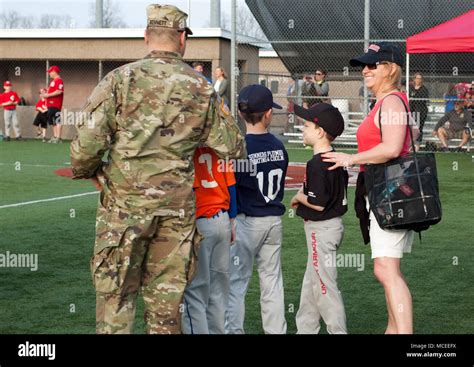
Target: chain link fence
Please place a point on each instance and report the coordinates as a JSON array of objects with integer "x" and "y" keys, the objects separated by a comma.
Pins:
[
  {"x": 80, "y": 77},
  {"x": 308, "y": 37},
  {"x": 295, "y": 41},
  {"x": 29, "y": 76}
]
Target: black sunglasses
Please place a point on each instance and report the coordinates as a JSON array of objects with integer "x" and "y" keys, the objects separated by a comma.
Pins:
[{"x": 374, "y": 66}]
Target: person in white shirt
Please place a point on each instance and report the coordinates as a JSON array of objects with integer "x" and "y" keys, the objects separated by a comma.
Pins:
[{"x": 220, "y": 84}]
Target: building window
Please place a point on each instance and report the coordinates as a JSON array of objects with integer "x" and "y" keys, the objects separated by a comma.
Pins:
[{"x": 274, "y": 86}]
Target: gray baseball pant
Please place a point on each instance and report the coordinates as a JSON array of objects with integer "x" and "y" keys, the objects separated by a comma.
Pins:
[
  {"x": 205, "y": 298},
  {"x": 320, "y": 296},
  {"x": 11, "y": 118},
  {"x": 258, "y": 238}
]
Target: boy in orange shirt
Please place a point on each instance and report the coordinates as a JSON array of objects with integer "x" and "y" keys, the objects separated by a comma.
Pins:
[{"x": 206, "y": 297}]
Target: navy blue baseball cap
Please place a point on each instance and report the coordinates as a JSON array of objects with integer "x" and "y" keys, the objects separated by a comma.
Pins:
[
  {"x": 256, "y": 98},
  {"x": 383, "y": 51},
  {"x": 325, "y": 116}
]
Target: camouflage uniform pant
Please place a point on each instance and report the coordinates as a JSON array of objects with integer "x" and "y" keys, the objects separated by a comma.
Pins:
[{"x": 152, "y": 253}]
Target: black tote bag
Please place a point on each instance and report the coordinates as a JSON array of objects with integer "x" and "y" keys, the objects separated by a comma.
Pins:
[{"x": 403, "y": 192}]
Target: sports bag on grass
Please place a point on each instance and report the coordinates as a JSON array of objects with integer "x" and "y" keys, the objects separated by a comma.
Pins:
[{"x": 403, "y": 192}]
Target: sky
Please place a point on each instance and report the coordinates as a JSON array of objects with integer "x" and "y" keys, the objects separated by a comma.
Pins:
[{"x": 133, "y": 12}]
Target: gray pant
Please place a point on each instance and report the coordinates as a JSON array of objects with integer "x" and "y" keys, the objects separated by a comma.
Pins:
[
  {"x": 258, "y": 238},
  {"x": 11, "y": 119},
  {"x": 206, "y": 297},
  {"x": 320, "y": 296}
]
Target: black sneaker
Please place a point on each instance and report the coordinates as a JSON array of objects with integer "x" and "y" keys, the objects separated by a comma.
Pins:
[
  {"x": 18, "y": 138},
  {"x": 6, "y": 138}
]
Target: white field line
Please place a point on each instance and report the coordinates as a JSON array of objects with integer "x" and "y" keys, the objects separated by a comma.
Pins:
[
  {"x": 47, "y": 200},
  {"x": 34, "y": 165}
]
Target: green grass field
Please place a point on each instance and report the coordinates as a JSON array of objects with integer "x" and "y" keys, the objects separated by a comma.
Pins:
[{"x": 59, "y": 297}]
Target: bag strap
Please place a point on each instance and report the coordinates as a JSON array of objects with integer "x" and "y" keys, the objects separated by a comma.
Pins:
[
  {"x": 408, "y": 122},
  {"x": 413, "y": 149}
]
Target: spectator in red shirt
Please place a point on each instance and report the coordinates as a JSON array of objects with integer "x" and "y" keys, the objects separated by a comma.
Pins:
[
  {"x": 41, "y": 119},
  {"x": 9, "y": 100},
  {"x": 54, "y": 98}
]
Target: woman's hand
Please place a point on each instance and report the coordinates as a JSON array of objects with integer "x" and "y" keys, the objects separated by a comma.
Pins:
[
  {"x": 339, "y": 159},
  {"x": 294, "y": 202}
]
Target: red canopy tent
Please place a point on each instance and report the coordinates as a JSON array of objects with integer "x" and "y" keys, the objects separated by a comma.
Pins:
[{"x": 455, "y": 35}]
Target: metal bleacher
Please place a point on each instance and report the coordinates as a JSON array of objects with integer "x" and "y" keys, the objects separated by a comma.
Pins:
[{"x": 353, "y": 120}]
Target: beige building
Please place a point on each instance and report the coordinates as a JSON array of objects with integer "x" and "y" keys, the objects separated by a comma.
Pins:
[{"x": 86, "y": 55}]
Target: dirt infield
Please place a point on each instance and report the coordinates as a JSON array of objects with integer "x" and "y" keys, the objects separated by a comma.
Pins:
[{"x": 296, "y": 172}]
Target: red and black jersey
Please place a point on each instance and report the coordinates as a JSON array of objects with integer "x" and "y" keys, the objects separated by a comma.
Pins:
[
  {"x": 9, "y": 97},
  {"x": 41, "y": 104},
  {"x": 324, "y": 188},
  {"x": 56, "y": 101}
]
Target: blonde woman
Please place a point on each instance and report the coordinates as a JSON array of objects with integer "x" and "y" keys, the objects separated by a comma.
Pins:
[
  {"x": 220, "y": 84},
  {"x": 382, "y": 75}
]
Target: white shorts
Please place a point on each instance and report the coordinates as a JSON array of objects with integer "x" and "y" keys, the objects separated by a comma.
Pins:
[{"x": 388, "y": 243}]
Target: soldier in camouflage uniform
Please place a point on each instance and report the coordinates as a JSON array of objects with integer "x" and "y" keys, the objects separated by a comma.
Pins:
[{"x": 150, "y": 115}]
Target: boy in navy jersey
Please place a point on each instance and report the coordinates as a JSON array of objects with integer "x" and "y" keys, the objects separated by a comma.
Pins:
[
  {"x": 259, "y": 226},
  {"x": 321, "y": 202}
]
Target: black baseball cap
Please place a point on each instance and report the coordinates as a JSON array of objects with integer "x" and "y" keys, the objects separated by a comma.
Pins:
[
  {"x": 256, "y": 98},
  {"x": 382, "y": 51},
  {"x": 325, "y": 116}
]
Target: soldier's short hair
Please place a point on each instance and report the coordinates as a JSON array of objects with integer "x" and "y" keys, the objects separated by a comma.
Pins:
[{"x": 163, "y": 35}]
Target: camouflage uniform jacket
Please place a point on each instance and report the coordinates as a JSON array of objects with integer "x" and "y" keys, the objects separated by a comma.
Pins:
[{"x": 151, "y": 115}]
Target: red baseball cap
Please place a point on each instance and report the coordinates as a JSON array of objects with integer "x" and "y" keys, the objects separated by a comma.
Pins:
[
  {"x": 54, "y": 68},
  {"x": 7, "y": 84}
]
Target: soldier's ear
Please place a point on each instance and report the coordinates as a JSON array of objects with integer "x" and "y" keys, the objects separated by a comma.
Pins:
[
  {"x": 147, "y": 40},
  {"x": 183, "y": 38}
]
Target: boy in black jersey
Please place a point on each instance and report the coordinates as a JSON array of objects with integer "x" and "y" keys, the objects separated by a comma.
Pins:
[{"x": 321, "y": 202}]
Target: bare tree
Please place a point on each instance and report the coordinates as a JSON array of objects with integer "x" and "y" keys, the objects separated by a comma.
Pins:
[
  {"x": 27, "y": 22},
  {"x": 11, "y": 19},
  {"x": 112, "y": 16},
  {"x": 247, "y": 25},
  {"x": 55, "y": 21}
]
